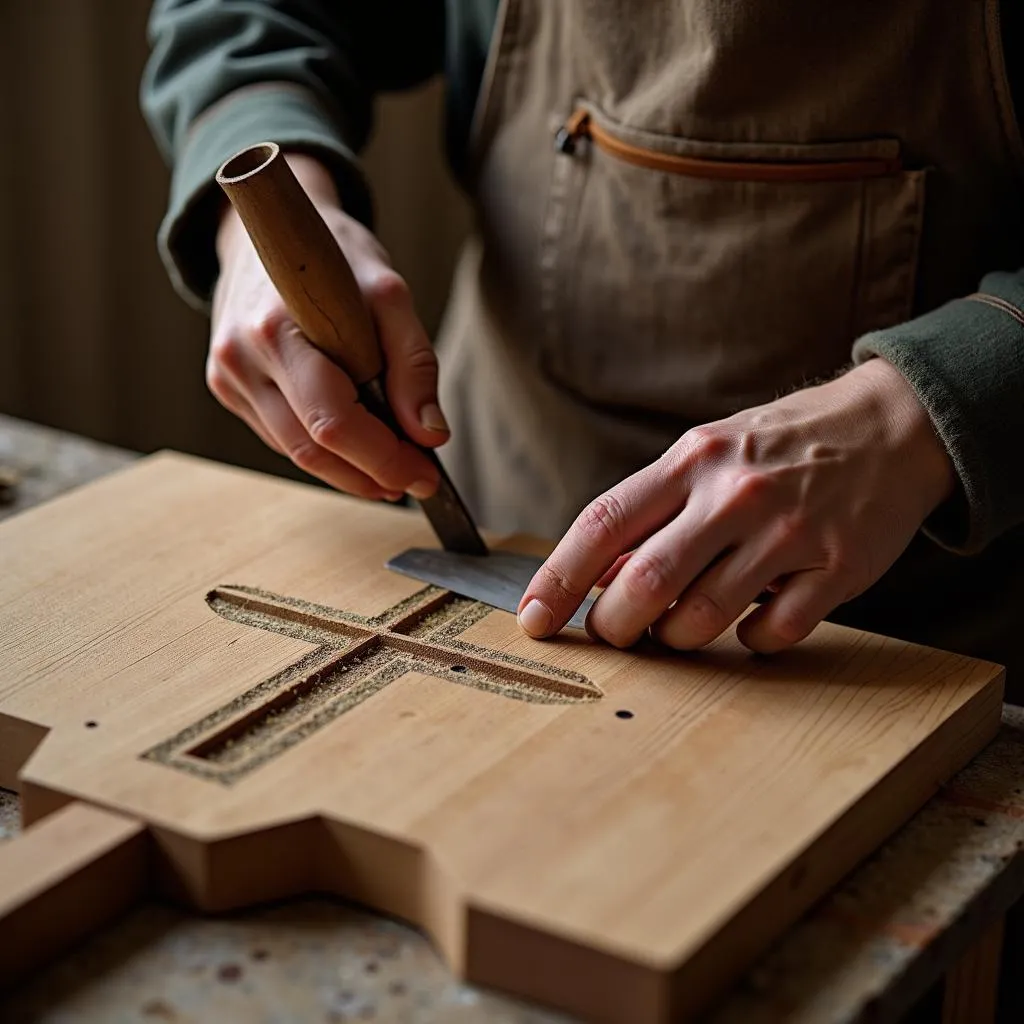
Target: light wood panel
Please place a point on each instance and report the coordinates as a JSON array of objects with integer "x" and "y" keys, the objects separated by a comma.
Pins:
[{"x": 223, "y": 657}]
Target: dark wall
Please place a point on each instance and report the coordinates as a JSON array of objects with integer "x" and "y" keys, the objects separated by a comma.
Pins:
[{"x": 92, "y": 338}]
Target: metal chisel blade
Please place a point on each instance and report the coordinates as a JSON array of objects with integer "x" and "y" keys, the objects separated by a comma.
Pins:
[
  {"x": 450, "y": 518},
  {"x": 445, "y": 510},
  {"x": 499, "y": 579}
]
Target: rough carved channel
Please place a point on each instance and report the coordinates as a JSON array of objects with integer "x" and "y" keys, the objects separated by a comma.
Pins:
[{"x": 353, "y": 657}]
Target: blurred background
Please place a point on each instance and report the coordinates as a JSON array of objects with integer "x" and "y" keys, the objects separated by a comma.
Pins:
[{"x": 95, "y": 341}]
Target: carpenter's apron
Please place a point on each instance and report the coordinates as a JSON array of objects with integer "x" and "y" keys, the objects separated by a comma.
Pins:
[{"x": 739, "y": 189}]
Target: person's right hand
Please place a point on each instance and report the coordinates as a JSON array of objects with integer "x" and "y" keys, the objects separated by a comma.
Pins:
[{"x": 263, "y": 369}]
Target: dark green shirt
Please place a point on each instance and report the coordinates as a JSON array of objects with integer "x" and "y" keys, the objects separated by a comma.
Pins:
[{"x": 225, "y": 74}]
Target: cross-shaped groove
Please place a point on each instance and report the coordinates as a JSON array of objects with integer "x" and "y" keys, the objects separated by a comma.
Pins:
[{"x": 353, "y": 658}]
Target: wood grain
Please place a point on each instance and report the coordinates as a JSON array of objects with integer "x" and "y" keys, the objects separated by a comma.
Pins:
[{"x": 624, "y": 869}]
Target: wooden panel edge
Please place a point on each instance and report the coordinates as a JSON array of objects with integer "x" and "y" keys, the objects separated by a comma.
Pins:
[
  {"x": 400, "y": 878},
  {"x": 318, "y": 854},
  {"x": 518, "y": 959},
  {"x": 19, "y": 740},
  {"x": 231, "y": 872},
  {"x": 859, "y": 833},
  {"x": 38, "y": 801},
  {"x": 62, "y": 879},
  {"x": 515, "y": 957}
]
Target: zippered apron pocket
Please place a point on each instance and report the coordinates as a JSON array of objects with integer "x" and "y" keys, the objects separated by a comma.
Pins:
[{"x": 693, "y": 278}]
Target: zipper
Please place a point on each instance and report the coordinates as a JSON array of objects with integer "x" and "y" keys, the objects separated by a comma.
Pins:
[{"x": 582, "y": 126}]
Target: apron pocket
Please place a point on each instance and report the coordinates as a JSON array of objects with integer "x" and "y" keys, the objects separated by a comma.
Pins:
[{"x": 696, "y": 278}]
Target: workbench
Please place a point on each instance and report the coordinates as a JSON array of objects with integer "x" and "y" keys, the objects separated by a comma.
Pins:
[{"x": 914, "y": 934}]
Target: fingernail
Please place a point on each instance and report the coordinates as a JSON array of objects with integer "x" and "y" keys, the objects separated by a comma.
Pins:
[
  {"x": 394, "y": 495},
  {"x": 536, "y": 618},
  {"x": 433, "y": 419},
  {"x": 421, "y": 489}
]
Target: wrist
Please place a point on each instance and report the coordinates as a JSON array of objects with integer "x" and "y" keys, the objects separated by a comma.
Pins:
[
  {"x": 909, "y": 429},
  {"x": 315, "y": 178}
]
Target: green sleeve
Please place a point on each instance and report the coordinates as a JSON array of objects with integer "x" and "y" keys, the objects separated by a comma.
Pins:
[
  {"x": 965, "y": 362},
  {"x": 225, "y": 74}
]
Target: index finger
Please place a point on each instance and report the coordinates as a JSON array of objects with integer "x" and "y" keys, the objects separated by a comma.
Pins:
[
  {"x": 326, "y": 402},
  {"x": 608, "y": 527}
]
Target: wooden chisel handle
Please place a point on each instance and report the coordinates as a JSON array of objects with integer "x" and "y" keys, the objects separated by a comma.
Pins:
[
  {"x": 308, "y": 268},
  {"x": 302, "y": 258}
]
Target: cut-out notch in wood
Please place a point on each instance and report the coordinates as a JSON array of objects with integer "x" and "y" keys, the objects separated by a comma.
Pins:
[{"x": 354, "y": 657}]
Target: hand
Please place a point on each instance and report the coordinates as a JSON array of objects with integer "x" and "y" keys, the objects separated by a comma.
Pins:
[
  {"x": 813, "y": 497},
  {"x": 263, "y": 369}
]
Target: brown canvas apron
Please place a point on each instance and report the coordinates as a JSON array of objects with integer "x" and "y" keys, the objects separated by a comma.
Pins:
[{"x": 687, "y": 208}]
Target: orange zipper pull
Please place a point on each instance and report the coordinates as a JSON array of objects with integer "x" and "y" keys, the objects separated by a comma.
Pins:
[{"x": 576, "y": 127}]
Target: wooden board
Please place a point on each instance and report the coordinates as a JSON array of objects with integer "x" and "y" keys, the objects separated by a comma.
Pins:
[{"x": 222, "y": 657}]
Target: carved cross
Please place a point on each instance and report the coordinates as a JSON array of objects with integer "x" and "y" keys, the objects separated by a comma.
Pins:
[{"x": 354, "y": 656}]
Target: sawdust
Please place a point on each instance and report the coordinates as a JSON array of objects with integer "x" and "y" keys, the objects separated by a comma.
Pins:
[
  {"x": 10, "y": 814},
  {"x": 427, "y": 625},
  {"x": 355, "y": 656}
]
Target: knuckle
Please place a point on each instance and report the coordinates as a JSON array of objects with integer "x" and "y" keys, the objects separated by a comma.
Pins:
[
  {"x": 307, "y": 455},
  {"x": 647, "y": 579},
  {"x": 325, "y": 431},
  {"x": 751, "y": 487},
  {"x": 845, "y": 567},
  {"x": 228, "y": 353},
  {"x": 707, "y": 441},
  {"x": 554, "y": 580},
  {"x": 217, "y": 380},
  {"x": 421, "y": 361},
  {"x": 385, "y": 286},
  {"x": 267, "y": 329},
  {"x": 603, "y": 522}
]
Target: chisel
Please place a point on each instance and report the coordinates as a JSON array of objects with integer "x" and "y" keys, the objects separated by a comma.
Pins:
[{"x": 308, "y": 268}]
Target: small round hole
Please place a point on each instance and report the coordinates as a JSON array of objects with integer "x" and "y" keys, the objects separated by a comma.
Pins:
[
  {"x": 459, "y": 668},
  {"x": 91, "y": 724},
  {"x": 623, "y": 713}
]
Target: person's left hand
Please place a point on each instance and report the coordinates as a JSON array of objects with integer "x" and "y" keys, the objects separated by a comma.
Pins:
[{"x": 812, "y": 497}]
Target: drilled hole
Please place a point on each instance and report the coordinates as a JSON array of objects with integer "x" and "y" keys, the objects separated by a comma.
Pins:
[
  {"x": 623, "y": 713},
  {"x": 91, "y": 724},
  {"x": 459, "y": 668}
]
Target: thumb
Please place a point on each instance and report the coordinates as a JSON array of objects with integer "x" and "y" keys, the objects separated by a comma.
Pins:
[{"x": 410, "y": 359}]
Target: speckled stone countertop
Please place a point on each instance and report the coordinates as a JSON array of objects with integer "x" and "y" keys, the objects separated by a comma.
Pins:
[
  {"x": 865, "y": 953},
  {"x": 307, "y": 960},
  {"x": 9, "y": 817},
  {"x": 37, "y": 463}
]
